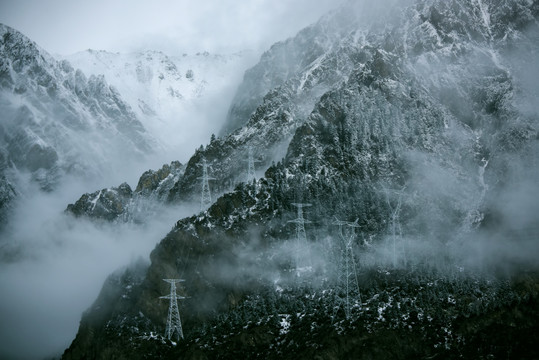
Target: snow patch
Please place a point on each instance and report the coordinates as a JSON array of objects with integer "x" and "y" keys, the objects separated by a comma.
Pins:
[{"x": 284, "y": 323}]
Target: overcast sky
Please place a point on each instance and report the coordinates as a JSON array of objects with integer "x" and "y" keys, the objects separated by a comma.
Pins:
[{"x": 67, "y": 26}]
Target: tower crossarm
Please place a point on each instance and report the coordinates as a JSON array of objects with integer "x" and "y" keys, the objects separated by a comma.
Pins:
[
  {"x": 179, "y": 297},
  {"x": 339, "y": 223},
  {"x": 300, "y": 221},
  {"x": 351, "y": 233},
  {"x": 347, "y": 223},
  {"x": 353, "y": 224},
  {"x": 342, "y": 223},
  {"x": 250, "y": 155}
]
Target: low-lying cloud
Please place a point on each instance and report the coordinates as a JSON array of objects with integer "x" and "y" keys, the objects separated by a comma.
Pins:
[{"x": 53, "y": 266}]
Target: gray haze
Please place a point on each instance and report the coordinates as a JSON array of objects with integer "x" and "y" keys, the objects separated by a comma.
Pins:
[
  {"x": 64, "y": 27},
  {"x": 56, "y": 266}
]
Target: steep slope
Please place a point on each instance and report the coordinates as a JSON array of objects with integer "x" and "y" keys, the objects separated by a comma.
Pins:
[
  {"x": 286, "y": 104},
  {"x": 284, "y": 61},
  {"x": 428, "y": 140},
  {"x": 463, "y": 71},
  {"x": 57, "y": 121},
  {"x": 271, "y": 120}
]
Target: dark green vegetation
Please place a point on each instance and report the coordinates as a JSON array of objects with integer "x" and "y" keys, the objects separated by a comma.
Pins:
[
  {"x": 403, "y": 315},
  {"x": 432, "y": 104}
]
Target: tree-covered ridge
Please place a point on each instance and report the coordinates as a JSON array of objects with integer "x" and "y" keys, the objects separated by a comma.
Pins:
[{"x": 423, "y": 146}]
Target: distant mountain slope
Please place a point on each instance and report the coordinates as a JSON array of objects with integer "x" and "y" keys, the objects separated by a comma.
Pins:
[
  {"x": 163, "y": 89},
  {"x": 57, "y": 121}
]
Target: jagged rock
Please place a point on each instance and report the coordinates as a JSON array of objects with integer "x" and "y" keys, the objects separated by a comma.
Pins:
[
  {"x": 105, "y": 204},
  {"x": 7, "y": 195},
  {"x": 154, "y": 180},
  {"x": 124, "y": 205},
  {"x": 56, "y": 121},
  {"x": 473, "y": 88}
]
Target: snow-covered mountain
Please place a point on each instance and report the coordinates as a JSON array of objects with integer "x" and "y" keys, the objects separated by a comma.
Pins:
[
  {"x": 57, "y": 121},
  {"x": 179, "y": 99},
  {"x": 420, "y": 133},
  {"x": 168, "y": 92}
]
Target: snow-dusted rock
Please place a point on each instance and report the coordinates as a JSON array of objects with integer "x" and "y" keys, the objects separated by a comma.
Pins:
[{"x": 57, "y": 121}]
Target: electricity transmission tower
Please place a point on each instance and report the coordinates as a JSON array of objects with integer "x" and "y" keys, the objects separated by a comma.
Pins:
[
  {"x": 174, "y": 323},
  {"x": 251, "y": 175},
  {"x": 205, "y": 199},
  {"x": 347, "y": 287},
  {"x": 395, "y": 225},
  {"x": 301, "y": 249}
]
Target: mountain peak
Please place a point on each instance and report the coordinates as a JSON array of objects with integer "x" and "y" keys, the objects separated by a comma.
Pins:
[
  {"x": 52, "y": 115},
  {"x": 20, "y": 49}
]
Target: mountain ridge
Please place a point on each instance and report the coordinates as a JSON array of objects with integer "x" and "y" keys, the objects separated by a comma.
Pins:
[
  {"x": 58, "y": 122},
  {"x": 422, "y": 145}
]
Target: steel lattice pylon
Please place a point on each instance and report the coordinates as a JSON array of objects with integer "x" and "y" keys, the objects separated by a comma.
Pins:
[
  {"x": 347, "y": 287},
  {"x": 395, "y": 224},
  {"x": 302, "y": 253},
  {"x": 205, "y": 199},
  {"x": 174, "y": 323},
  {"x": 251, "y": 175}
]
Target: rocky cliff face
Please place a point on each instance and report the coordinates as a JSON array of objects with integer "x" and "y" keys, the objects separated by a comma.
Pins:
[
  {"x": 57, "y": 121},
  {"x": 419, "y": 130},
  {"x": 125, "y": 205},
  {"x": 7, "y": 195},
  {"x": 297, "y": 63}
]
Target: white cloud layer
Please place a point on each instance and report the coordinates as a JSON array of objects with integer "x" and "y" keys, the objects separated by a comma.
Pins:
[{"x": 65, "y": 26}]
